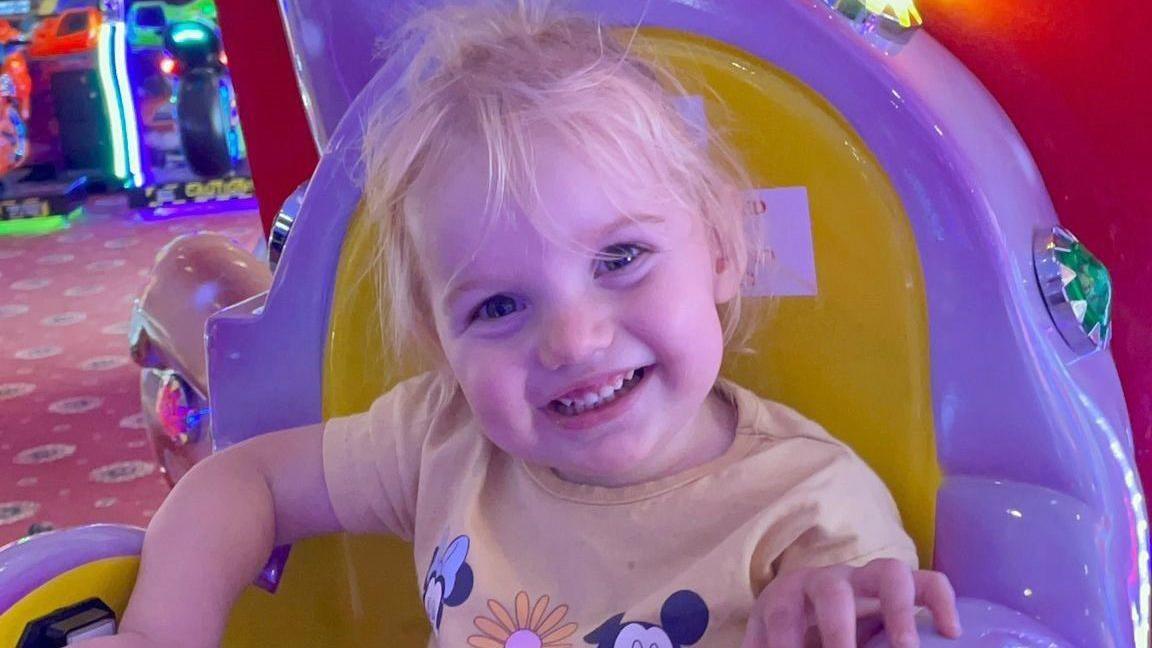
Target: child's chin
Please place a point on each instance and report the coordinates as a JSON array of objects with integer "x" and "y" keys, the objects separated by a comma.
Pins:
[{"x": 615, "y": 463}]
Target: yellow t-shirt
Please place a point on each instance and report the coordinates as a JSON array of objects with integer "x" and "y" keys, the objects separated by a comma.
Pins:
[{"x": 511, "y": 555}]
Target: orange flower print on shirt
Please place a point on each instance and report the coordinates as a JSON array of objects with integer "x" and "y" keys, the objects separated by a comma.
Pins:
[{"x": 527, "y": 626}]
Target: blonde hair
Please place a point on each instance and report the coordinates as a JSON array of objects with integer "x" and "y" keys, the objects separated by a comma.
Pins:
[{"x": 498, "y": 72}]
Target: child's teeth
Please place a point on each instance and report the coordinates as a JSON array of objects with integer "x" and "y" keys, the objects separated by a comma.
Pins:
[{"x": 590, "y": 399}]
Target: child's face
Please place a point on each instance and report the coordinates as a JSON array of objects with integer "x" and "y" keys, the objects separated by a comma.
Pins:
[{"x": 590, "y": 350}]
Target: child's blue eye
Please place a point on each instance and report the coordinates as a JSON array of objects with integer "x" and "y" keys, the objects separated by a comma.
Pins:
[
  {"x": 496, "y": 307},
  {"x": 617, "y": 257}
]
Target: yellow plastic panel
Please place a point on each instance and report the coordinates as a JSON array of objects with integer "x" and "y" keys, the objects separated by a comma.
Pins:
[
  {"x": 320, "y": 603},
  {"x": 109, "y": 580},
  {"x": 854, "y": 358},
  {"x": 353, "y": 374},
  {"x": 388, "y": 604}
]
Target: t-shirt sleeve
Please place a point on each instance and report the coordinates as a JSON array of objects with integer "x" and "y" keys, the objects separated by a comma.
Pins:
[
  {"x": 372, "y": 460},
  {"x": 848, "y": 518}
]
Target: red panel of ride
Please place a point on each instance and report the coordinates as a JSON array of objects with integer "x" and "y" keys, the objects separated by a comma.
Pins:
[{"x": 281, "y": 152}]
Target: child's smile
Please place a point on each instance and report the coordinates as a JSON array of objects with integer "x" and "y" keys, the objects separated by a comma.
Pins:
[
  {"x": 596, "y": 393},
  {"x": 591, "y": 347},
  {"x": 589, "y": 405}
]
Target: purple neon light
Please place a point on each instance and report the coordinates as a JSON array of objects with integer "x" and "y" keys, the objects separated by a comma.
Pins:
[{"x": 197, "y": 209}]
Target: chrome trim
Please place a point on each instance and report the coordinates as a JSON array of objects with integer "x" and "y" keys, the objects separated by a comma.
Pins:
[
  {"x": 282, "y": 225},
  {"x": 139, "y": 342},
  {"x": 1051, "y": 287}
]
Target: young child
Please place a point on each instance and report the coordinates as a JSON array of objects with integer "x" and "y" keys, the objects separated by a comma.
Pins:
[{"x": 567, "y": 254}]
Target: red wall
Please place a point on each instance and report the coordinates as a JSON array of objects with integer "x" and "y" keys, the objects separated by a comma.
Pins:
[{"x": 280, "y": 147}]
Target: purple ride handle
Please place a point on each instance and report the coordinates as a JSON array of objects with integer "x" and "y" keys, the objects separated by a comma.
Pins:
[{"x": 269, "y": 577}]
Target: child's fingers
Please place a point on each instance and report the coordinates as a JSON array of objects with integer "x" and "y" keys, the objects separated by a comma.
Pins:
[
  {"x": 891, "y": 581},
  {"x": 754, "y": 634},
  {"x": 834, "y": 606},
  {"x": 867, "y": 627},
  {"x": 934, "y": 591},
  {"x": 781, "y": 612}
]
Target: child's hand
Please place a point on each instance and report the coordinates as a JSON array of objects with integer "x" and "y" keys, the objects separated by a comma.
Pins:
[{"x": 831, "y": 600}]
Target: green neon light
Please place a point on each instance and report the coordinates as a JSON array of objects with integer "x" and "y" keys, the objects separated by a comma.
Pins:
[
  {"x": 127, "y": 105},
  {"x": 39, "y": 225},
  {"x": 190, "y": 35},
  {"x": 115, "y": 116},
  {"x": 32, "y": 226}
]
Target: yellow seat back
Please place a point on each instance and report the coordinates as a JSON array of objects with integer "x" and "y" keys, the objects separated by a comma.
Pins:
[{"x": 854, "y": 357}]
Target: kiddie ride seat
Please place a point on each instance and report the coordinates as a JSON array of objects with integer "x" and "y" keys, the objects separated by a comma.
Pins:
[{"x": 930, "y": 312}]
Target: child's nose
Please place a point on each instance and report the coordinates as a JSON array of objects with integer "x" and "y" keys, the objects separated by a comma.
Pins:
[{"x": 573, "y": 335}]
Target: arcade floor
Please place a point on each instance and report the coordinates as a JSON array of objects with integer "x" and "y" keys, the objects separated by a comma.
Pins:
[{"x": 72, "y": 447}]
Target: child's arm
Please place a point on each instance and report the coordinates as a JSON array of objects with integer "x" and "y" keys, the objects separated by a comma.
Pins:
[{"x": 215, "y": 531}]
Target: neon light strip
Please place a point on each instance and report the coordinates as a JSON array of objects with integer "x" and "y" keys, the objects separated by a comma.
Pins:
[
  {"x": 31, "y": 226},
  {"x": 38, "y": 225},
  {"x": 115, "y": 116},
  {"x": 128, "y": 105},
  {"x": 190, "y": 35}
]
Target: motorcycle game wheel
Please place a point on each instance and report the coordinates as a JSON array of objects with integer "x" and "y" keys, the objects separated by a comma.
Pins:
[
  {"x": 20, "y": 128},
  {"x": 204, "y": 123},
  {"x": 14, "y": 133}
]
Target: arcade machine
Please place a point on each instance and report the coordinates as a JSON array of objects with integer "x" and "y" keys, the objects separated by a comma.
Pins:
[
  {"x": 75, "y": 129},
  {"x": 189, "y": 128}
]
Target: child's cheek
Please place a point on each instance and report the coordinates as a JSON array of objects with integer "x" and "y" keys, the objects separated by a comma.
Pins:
[
  {"x": 494, "y": 385},
  {"x": 678, "y": 320}
]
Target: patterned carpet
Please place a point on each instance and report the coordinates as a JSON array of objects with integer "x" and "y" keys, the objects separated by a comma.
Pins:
[{"x": 72, "y": 448}]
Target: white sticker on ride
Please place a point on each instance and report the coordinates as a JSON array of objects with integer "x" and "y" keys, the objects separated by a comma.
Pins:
[{"x": 788, "y": 267}]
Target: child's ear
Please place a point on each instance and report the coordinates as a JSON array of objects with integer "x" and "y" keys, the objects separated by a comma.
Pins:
[
  {"x": 726, "y": 277},
  {"x": 726, "y": 282}
]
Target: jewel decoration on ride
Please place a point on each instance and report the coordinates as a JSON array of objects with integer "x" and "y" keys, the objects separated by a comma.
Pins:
[
  {"x": 1077, "y": 290},
  {"x": 892, "y": 20},
  {"x": 181, "y": 422},
  {"x": 903, "y": 12}
]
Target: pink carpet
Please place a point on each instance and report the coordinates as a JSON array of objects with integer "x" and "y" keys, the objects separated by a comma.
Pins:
[{"x": 72, "y": 448}]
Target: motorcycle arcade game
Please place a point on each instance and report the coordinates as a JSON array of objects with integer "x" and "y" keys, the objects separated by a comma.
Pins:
[
  {"x": 65, "y": 124},
  {"x": 195, "y": 158}
]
